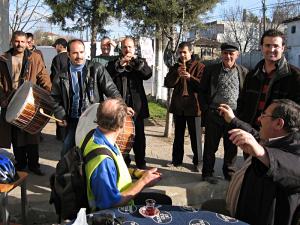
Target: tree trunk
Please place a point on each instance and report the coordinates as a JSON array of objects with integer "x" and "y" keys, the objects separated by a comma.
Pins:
[
  {"x": 93, "y": 39},
  {"x": 169, "y": 116},
  {"x": 94, "y": 26}
]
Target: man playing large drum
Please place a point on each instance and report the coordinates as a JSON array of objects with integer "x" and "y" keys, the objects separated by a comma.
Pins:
[
  {"x": 83, "y": 84},
  {"x": 16, "y": 66}
]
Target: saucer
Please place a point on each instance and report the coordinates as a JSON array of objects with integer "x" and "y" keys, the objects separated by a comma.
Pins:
[{"x": 142, "y": 211}]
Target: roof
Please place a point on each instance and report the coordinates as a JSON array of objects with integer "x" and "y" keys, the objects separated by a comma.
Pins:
[
  {"x": 205, "y": 42},
  {"x": 292, "y": 19}
]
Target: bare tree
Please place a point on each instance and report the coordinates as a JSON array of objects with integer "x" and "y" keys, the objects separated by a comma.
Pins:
[
  {"x": 282, "y": 11},
  {"x": 241, "y": 27},
  {"x": 25, "y": 14}
]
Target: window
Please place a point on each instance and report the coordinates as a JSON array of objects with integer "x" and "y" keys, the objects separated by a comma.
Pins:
[{"x": 293, "y": 29}]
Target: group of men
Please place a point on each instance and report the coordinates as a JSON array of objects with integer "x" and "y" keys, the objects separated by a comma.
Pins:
[
  {"x": 215, "y": 92},
  {"x": 227, "y": 86},
  {"x": 74, "y": 83}
]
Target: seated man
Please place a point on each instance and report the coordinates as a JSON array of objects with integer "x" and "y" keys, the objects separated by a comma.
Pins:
[
  {"x": 109, "y": 182},
  {"x": 269, "y": 192}
]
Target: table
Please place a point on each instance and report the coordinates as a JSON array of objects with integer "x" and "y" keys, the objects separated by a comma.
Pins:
[
  {"x": 5, "y": 189},
  {"x": 175, "y": 215}
]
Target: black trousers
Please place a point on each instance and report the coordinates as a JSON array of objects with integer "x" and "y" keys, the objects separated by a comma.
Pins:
[
  {"x": 215, "y": 128},
  {"x": 178, "y": 144},
  {"x": 139, "y": 145},
  {"x": 27, "y": 155}
]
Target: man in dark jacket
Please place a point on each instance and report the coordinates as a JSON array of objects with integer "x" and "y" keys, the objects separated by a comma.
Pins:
[
  {"x": 272, "y": 78},
  {"x": 73, "y": 91},
  {"x": 185, "y": 106},
  {"x": 16, "y": 66},
  {"x": 60, "y": 61},
  {"x": 128, "y": 73},
  {"x": 270, "y": 191},
  {"x": 220, "y": 83},
  {"x": 60, "y": 64}
]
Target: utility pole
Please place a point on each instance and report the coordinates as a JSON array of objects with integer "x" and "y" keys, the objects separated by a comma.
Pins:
[{"x": 264, "y": 9}]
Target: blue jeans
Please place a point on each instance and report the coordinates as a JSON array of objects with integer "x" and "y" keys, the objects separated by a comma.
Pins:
[{"x": 69, "y": 140}]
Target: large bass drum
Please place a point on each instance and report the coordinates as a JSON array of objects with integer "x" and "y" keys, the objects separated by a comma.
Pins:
[
  {"x": 23, "y": 109},
  {"x": 87, "y": 122}
]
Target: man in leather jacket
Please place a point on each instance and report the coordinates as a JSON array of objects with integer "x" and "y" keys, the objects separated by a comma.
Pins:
[
  {"x": 128, "y": 73},
  {"x": 84, "y": 84}
]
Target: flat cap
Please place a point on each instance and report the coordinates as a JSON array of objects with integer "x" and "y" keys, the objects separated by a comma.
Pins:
[
  {"x": 60, "y": 41},
  {"x": 229, "y": 46}
]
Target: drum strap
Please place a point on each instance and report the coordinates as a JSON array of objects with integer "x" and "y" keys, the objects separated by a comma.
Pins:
[
  {"x": 124, "y": 87},
  {"x": 24, "y": 67}
]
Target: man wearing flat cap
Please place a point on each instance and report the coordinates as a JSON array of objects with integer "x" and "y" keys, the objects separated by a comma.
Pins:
[{"x": 220, "y": 83}]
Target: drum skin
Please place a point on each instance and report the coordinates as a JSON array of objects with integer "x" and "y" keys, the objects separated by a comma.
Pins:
[
  {"x": 23, "y": 108},
  {"x": 87, "y": 122}
]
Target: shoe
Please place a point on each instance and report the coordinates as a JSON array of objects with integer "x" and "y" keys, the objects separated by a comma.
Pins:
[
  {"x": 20, "y": 168},
  {"x": 142, "y": 167},
  {"x": 195, "y": 169},
  {"x": 174, "y": 164},
  {"x": 210, "y": 179},
  {"x": 37, "y": 171},
  {"x": 227, "y": 177}
]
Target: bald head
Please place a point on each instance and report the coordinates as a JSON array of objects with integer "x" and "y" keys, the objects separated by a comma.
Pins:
[
  {"x": 128, "y": 46},
  {"x": 111, "y": 114},
  {"x": 105, "y": 46}
]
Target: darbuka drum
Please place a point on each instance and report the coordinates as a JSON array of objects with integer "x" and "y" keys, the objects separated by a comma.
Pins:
[
  {"x": 23, "y": 110},
  {"x": 87, "y": 122},
  {"x": 125, "y": 139}
]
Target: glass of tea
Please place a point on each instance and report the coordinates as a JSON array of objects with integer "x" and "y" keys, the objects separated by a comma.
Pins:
[{"x": 150, "y": 207}]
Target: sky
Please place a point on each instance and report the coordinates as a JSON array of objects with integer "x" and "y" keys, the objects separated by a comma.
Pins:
[
  {"x": 118, "y": 29},
  {"x": 254, "y": 6}
]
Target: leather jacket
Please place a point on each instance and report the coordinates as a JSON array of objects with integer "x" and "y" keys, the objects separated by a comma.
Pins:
[{"x": 96, "y": 83}]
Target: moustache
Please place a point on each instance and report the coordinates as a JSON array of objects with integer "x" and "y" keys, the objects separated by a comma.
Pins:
[{"x": 79, "y": 59}]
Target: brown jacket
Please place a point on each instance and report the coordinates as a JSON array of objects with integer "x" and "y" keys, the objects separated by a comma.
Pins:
[
  {"x": 187, "y": 105},
  {"x": 33, "y": 70}
]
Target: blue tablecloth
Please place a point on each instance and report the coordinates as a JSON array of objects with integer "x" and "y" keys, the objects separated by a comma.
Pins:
[{"x": 179, "y": 215}]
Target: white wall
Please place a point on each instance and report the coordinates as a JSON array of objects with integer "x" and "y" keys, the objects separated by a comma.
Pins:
[
  {"x": 293, "y": 38},
  {"x": 4, "y": 29},
  {"x": 294, "y": 55},
  {"x": 293, "y": 43}
]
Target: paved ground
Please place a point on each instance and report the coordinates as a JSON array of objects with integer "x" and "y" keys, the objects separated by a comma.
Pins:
[{"x": 185, "y": 187}]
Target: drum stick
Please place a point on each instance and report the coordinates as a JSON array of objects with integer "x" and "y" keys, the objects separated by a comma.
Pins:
[{"x": 51, "y": 117}]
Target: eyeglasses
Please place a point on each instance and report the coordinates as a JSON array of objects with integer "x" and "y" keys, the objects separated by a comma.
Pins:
[{"x": 263, "y": 115}]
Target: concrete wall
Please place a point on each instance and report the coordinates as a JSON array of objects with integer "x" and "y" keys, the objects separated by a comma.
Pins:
[
  {"x": 293, "y": 42},
  {"x": 4, "y": 28}
]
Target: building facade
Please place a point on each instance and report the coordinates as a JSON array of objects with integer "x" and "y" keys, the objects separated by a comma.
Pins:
[{"x": 293, "y": 40}]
